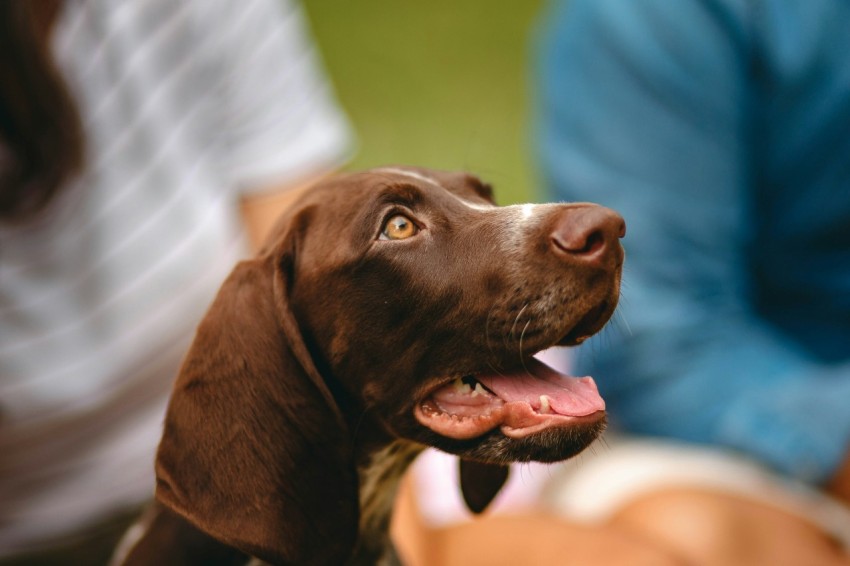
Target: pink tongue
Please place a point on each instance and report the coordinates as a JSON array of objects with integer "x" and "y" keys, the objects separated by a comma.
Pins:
[{"x": 569, "y": 396}]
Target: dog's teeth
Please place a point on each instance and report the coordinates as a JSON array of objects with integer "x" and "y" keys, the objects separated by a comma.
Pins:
[
  {"x": 461, "y": 387},
  {"x": 544, "y": 404},
  {"x": 479, "y": 390}
]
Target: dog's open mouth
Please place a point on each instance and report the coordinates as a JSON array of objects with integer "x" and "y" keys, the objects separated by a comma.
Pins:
[{"x": 521, "y": 403}]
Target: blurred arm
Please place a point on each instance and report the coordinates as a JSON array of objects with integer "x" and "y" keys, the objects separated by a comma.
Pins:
[
  {"x": 260, "y": 209},
  {"x": 839, "y": 485}
]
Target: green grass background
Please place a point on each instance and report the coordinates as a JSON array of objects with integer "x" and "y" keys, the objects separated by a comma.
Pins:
[{"x": 436, "y": 83}]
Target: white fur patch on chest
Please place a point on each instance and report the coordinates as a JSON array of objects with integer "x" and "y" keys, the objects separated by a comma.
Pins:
[{"x": 379, "y": 481}]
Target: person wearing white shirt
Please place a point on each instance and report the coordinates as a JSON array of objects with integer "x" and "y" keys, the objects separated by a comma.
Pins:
[{"x": 164, "y": 138}]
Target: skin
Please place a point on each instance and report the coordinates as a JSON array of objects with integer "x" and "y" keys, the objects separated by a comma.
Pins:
[
  {"x": 674, "y": 526},
  {"x": 261, "y": 209},
  {"x": 710, "y": 528},
  {"x": 839, "y": 485},
  {"x": 685, "y": 526},
  {"x": 532, "y": 538}
]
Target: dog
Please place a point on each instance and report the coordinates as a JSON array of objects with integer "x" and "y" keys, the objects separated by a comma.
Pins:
[{"x": 389, "y": 310}]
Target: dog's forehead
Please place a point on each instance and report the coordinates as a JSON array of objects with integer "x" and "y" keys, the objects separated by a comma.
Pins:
[
  {"x": 464, "y": 186},
  {"x": 345, "y": 196},
  {"x": 419, "y": 176}
]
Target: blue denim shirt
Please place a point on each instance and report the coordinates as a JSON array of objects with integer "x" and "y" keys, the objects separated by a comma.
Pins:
[{"x": 720, "y": 129}]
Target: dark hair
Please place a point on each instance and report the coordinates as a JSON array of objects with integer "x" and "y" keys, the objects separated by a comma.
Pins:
[{"x": 41, "y": 136}]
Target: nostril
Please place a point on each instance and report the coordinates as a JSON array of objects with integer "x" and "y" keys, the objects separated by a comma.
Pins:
[
  {"x": 579, "y": 243},
  {"x": 587, "y": 232},
  {"x": 595, "y": 241}
]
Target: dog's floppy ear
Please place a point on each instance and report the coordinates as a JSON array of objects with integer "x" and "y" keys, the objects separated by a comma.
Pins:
[
  {"x": 480, "y": 483},
  {"x": 255, "y": 451}
]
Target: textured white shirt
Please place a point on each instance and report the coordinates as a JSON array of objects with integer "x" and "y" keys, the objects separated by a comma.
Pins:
[{"x": 185, "y": 104}]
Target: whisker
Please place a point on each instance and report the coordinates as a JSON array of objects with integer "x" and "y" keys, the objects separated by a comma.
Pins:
[
  {"x": 516, "y": 320},
  {"x": 620, "y": 317},
  {"x": 521, "y": 336}
]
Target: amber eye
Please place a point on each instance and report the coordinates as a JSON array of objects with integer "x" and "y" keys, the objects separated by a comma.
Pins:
[{"x": 398, "y": 227}]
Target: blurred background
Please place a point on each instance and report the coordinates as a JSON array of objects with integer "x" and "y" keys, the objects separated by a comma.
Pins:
[{"x": 440, "y": 84}]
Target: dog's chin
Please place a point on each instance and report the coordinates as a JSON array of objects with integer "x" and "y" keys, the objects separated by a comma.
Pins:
[
  {"x": 590, "y": 323},
  {"x": 549, "y": 445}
]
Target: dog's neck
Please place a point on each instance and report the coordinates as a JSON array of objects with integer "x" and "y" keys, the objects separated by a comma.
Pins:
[{"x": 380, "y": 476}]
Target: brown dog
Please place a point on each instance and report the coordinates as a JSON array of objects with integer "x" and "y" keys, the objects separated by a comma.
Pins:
[{"x": 390, "y": 310}]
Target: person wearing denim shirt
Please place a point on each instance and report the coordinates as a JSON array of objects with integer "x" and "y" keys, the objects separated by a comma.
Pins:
[{"x": 720, "y": 129}]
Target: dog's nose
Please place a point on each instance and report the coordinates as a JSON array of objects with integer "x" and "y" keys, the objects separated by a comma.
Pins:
[{"x": 587, "y": 232}]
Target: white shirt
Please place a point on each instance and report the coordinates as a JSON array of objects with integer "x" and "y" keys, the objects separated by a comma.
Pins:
[{"x": 185, "y": 105}]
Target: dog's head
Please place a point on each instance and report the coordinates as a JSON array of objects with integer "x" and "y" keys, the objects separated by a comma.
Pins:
[{"x": 394, "y": 303}]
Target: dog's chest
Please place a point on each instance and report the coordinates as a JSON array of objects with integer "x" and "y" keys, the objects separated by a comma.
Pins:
[{"x": 379, "y": 481}]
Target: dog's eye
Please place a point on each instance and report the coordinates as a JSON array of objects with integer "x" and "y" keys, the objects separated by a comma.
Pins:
[{"x": 399, "y": 227}]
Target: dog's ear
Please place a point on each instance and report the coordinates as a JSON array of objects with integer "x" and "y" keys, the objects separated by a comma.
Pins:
[
  {"x": 480, "y": 483},
  {"x": 255, "y": 451}
]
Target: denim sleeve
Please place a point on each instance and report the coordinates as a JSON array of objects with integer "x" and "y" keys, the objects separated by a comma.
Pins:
[{"x": 646, "y": 108}]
